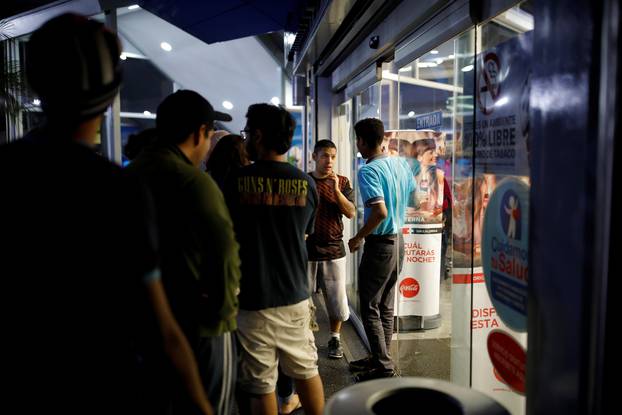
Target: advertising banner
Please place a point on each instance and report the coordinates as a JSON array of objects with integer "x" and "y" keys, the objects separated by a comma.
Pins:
[
  {"x": 499, "y": 132},
  {"x": 418, "y": 283}
]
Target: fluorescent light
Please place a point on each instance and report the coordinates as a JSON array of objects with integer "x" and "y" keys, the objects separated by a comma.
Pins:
[
  {"x": 123, "y": 56},
  {"x": 275, "y": 100},
  {"x": 290, "y": 38},
  {"x": 502, "y": 102},
  {"x": 411, "y": 114},
  {"x": 406, "y": 69},
  {"x": 133, "y": 7},
  {"x": 434, "y": 52},
  {"x": 227, "y": 105},
  {"x": 467, "y": 68},
  {"x": 426, "y": 64},
  {"x": 146, "y": 113},
  {"x": 36, "y": 102},
  {"x": 166, "y": 46}
]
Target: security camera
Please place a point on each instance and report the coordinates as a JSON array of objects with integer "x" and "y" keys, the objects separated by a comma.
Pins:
[{"x": 374, "y": 41}]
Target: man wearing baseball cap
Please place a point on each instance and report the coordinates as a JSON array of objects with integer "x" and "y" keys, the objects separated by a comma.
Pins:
[
  {"x": 79, "y": 260},
  {"x": 199, "y": 253}
]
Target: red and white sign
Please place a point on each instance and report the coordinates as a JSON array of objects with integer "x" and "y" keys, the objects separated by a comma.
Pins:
[
  {"x": 508, "y": 358},
  {"x": 409, "y": 287},
  {"x": 419, "y": 279}
]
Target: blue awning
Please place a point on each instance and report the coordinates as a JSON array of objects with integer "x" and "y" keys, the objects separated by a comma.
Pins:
[{"x": 220, "y": 20}]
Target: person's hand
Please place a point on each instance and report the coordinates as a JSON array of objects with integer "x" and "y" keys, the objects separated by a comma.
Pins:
[
  {"x": 333, "y": 176},
  {"x": 355, "y": 243}
]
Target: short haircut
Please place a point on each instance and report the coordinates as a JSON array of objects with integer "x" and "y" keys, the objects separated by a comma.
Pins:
[
  {"x": 276, "y": 125},
  {"x": 323, "y": 144},
  {"x": 181, "y": 114},
  {"x": 371, "y": 131}
]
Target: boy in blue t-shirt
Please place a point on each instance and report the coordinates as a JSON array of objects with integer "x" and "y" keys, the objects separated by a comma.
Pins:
[{"x": 385, "y": 184}]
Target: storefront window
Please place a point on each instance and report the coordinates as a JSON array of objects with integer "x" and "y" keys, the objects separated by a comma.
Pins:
[{"x": 463, "y": 123}]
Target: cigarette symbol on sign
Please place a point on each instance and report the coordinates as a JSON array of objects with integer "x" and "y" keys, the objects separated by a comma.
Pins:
[{"x": 488, "y": 83}]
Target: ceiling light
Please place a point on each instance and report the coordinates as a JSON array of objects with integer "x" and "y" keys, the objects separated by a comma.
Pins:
[
  {"x": 502, "y": 102},
  {"x": 227, "y": 105},
  {"x": 426, "y": 64},
  {"x": 133, "y": 7},
  {"x": 411, "y": 114},
  {"x": 290, "y": 38},
  {"x": 439, "y": 60},
  {"x": 275, "y": 100},
  {"x": 166, "y": 46},
  {"x": 406, "y": 69},
  {"x": 434, "y": 52},
  {"x": 146, "y": 112},
  {"x": 467, "y": 68},
  {"x": 123, "y": 56},
  {"x": 36, "y": 101}
]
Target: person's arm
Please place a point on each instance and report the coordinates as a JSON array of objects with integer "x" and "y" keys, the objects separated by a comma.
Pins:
[
  {"x": 176, "y": 346},
  {"x": 377, "y": 214},
  {"x": 220, "y": 270},
  {"x": 345, "y": 204}
]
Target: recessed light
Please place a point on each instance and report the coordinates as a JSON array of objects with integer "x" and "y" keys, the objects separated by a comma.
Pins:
[
  {"x": 123, "y": 56},
  {"x": 434, "y": 52},
  {"x": 133, "y": 7},
  {"x": 166, "y": 46},
  {"x": 467, "y": 68},
  {"x": 275, "y": 100},
  {"x": 411, "y": 114},
  {"x": 36, "y": 101},
  {"x": 227, "y": 105},
  {"x": 146, "y": 112}
]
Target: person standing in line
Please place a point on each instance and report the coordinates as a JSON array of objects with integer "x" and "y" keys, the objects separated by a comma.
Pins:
[
  {"x": 200, "y": 262},
  {"x": 79, "y": 265},
  {"x": 327, "y": 262},
  {"x": 228, "y": 155},
  {"x": 273, "y": 205},
  {"x": 385, "y": 184}
]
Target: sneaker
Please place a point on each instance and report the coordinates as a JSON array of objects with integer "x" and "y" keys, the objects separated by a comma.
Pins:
[
  {"x": 375, "y": 374},
  {"x": 364, "y": 364},
  {"x": 334, "y": 348}
]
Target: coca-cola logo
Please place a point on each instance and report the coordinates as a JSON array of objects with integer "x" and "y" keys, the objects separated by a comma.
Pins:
[{"x": 409, "y": 287}]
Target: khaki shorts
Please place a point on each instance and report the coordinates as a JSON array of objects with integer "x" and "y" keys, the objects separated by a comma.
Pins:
[
  {"x": 274, "y": 336},
  {"x": 331, "y": 277}
]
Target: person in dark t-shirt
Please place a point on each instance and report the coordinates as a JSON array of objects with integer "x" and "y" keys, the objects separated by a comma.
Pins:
[
  {"x": 272, "y": 205},
  {"x": 79, "y": 257},
  {"x": 327, "y": 262}
]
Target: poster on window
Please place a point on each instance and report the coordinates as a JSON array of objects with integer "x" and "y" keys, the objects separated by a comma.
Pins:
[
  {"x": 499, "y": 131},
  {"x": 418, "y": 283}
]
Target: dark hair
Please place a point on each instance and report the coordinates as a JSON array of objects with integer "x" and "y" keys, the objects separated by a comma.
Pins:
[
  {"x": 324, "y": 144},
  {"x": 73, "y": 65},
  {"x": 137, "y": 142},
  {"x": 228, "y": 154},
  {"x": 276, "y": 125},
  {"x": 421, "y": 146},
  {"x": 180, "y": 114},
  {"x": 371, "y": 131}
]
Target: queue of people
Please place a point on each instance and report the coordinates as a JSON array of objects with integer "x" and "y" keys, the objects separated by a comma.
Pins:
[{"x": 162, "y": 289}]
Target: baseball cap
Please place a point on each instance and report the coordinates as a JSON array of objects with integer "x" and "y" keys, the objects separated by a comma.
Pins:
[{"x": 183, "y": 112}]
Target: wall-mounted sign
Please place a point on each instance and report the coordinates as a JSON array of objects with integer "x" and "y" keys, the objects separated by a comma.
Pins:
[
  {"x": 508, "y": 358},
  {"x": 505, "y": 250},
  {"x": 430, "y": 121}
]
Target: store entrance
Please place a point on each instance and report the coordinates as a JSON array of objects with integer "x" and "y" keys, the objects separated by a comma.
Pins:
[{"x": 459, "y": 114}]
